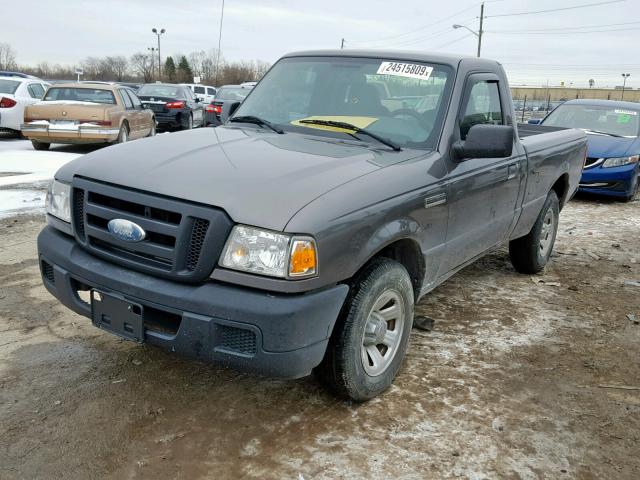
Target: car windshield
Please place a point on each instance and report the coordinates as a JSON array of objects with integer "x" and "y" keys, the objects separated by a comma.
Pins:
[
  {"x": 399, "y": 101},
  {"x": 610, "y": 120},
  {"x": 231, "y": 93},
  {"x": 159, "y": 91},
  {"x": 80, "y": 95},
  {"x": 9, "y": 86}
]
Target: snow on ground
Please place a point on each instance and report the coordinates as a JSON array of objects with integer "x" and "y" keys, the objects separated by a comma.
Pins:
[{"x": 25, "y": 172}]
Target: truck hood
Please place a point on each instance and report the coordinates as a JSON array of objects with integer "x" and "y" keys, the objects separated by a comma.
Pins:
[
  {"x": 603, "y": 146},
  {"x": 258, "y": 177}
]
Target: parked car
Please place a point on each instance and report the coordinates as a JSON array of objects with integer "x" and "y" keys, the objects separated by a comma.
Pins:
[
  {"x": 205, "y": 93},
  {"x": 612, "y": 167},
  {"x": 4, "y": 73},
  {"x": 300, "y": 234},
  {"x": 87, "y": 113},
  {"x": 16, "y": 93},
  {"x": 174, "y": 106},
  {"x": 133, "y": 86},
  {"x": 226, "y": 93}
]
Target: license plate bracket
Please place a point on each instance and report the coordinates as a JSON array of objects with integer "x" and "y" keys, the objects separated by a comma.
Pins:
[{"x": 117, "y": 315}]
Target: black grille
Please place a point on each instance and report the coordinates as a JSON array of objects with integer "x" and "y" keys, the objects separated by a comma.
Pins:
[
  {"x": 78, "y": 211},
  {"x": 238, "y": 340},
  {"x": 176, "y": 232},
  {"x": 198, "y": 234},
  {"x": 47, "y": 271}
]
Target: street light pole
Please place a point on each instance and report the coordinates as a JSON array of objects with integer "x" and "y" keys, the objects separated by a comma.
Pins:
[
  {"x": 478, "y": 34},
  {"x": 219, "y": 44},
  {"x": 624, "y": 83},
  {"x": 158, "y": 33}
]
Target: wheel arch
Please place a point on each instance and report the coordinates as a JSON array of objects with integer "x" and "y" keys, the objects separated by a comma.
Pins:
[{"x": 561, "y": 187}]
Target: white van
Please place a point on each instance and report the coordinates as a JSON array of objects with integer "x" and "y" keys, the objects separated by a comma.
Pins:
[{"x": 205, "y": 93}]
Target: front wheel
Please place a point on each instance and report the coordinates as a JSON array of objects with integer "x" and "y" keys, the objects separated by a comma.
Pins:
[
  {"x": 530, "y": 254},
  {"x": 635, "y": 187},
  {"x": 370, "y": 339}
]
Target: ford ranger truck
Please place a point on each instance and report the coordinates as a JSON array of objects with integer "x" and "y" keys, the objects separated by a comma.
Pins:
[{"x": 299, "y": 235}]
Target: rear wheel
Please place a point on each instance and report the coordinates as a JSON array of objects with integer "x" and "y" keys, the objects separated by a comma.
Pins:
[
  {"x": 123, "y": 135},
  {"x": 370, "y": 339},
  {"x": 152, "y": 131},
  {"x": 189, "y": 124},
  {"x": 530, "y": 254},
  {"x": 40, "y": 145}
]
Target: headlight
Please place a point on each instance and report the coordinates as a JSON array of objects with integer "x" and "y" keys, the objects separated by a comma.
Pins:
[
  {"x": 269, "y": 253},
  {"x": 58, "y": 197},
  {"x": 620, "y": 161}
]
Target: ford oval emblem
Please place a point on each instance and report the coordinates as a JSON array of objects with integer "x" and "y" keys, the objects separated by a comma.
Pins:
[{"x": 125, "y": 230}]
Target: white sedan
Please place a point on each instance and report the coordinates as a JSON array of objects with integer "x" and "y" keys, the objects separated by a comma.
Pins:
[{"x": 15, "y": 94}]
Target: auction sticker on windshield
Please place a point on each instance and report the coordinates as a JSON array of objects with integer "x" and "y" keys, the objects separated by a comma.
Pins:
[{"x": 410, "y": 70}]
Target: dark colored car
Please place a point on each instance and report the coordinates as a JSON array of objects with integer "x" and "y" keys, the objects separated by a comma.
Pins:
[
  {"x": 613, "y": 133},
  {"x": 226, "y": 93},
  {"x": 174, "y": 106},
  {"x": 300, "y": 234}
]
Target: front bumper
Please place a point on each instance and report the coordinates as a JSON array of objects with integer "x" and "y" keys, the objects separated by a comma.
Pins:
[
  {"x": 250, "y": 330},
  {"x": 614, "y": 181},
  {"x": 81, "y": 133}
]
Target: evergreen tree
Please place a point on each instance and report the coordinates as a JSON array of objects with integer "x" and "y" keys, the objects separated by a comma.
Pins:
[
  {"x": 185, "y": 74},
  {"x": 169, "y": 69}
]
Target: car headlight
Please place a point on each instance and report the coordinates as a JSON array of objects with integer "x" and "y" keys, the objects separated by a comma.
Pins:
[
  {"x": 620, "y": 161},
  {"x": 270, "y": 253},
  {"x": 58, "y": 200}
]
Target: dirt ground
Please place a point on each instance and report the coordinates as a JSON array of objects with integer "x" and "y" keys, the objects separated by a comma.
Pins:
[{"x": 515, "y": 382}]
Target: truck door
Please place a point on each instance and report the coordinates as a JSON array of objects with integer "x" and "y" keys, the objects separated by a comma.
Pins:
[{"x": 482, "y": 192}]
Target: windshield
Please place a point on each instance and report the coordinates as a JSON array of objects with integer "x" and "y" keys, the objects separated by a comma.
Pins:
[
  {"x": 80, "y": 95},
  {"x": 159, "y": 91},
  {"x": 8, "y": 86},
  {"x": 226, "y": 93},
  {"x": 400, "y": 101},
  {"x": 605, "y": 119}
]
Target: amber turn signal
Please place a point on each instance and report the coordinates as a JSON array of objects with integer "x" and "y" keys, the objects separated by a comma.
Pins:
[{"x": 303, "y": 261}]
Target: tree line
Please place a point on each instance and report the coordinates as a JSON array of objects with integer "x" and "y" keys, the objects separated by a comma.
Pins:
[{"x": 143, "y": 67}]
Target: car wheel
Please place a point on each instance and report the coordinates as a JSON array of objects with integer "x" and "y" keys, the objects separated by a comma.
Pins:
[
  {"x": 371, "y": 337},
  {"x": 530, "y": 254},
  {"x": 635, "y": 186},
  {"x": 40, "y": 145},
  {"x": 189, "y": 122},
  {"x": 152, "y": 131},
  {"x": 123, "y": 135}
]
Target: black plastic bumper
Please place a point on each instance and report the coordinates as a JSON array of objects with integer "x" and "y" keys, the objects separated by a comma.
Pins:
[{"x": 251, "y": 330}]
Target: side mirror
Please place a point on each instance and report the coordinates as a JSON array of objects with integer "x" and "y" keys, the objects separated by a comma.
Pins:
[
  {"x": 534, "y": 121},
  {"x": 198, "y": 100},
  {"x": 228, "y": 109},
  {"x": 485, "y": 141}
]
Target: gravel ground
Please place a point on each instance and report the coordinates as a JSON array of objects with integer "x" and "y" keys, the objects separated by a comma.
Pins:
[{"x": 522, "y": 377}]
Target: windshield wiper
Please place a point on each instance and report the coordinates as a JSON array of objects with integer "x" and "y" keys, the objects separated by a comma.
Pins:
[
  {"x": 257, "y": 121},
  {"x": 598, "y": 132},
  {"x": 356, "y": 129}
]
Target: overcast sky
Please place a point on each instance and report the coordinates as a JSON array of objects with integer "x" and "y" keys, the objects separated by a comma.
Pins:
[{"x": 555, "y": 48}]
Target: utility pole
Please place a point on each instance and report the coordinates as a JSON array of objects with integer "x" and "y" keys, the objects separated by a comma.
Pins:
[
  {"x": 153, "y": 60},
  {"x": 342, "y": 45},
  {"x": 480, "y": 30},
  {"x": 624, "y": 83}
]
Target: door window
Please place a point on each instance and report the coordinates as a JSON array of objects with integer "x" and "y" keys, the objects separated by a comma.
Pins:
[
  {"x": 35, "y": 90},
  {"x": 125, "y": 98},
  {"x": 483, "y": 106},
  {"x": 198, "y": 90},
  {"x": 211, "y": 91},
  {"x": 134, "y": 99}
]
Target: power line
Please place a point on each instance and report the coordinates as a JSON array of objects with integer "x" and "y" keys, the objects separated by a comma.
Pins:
[
  {"x": 453, "y": 41},
  {"x": 586, "y": 5},
  {"x": 562, "y": 33},
  {"x": 565, "y": 28}
]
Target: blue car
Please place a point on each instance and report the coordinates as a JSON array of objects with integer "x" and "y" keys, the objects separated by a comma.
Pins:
[{"x": 613, "y": 129}]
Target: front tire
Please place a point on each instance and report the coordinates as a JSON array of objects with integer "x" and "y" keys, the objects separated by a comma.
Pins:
[
  {"x": 635, "y": 186},
  {"x": 370, "y": 339},
  {"x": 531, "y": 253},
  {"x": 40, "y": 145}
]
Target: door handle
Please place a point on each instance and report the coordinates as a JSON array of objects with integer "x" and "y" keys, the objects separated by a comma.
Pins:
[{"x": 512, "y": 171}]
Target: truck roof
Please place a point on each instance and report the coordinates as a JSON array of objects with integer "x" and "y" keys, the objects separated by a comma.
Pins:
[{"x": 407, "y": 55}]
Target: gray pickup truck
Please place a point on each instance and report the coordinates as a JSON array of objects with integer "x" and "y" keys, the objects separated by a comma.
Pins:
[{"x": 299, "y": 235}]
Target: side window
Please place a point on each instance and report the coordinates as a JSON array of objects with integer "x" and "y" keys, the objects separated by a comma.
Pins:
[
  {"x": 35, "y": 90},
  {"x": 134, "y": 99},
  {"x": 211, "y": 91},
  {"x": 125, "y": 99},
  {"x": 483, "y": 106},
  {"x": 199, "y": 90}
]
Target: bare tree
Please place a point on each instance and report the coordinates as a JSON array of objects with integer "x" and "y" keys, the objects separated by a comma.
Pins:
[
  {"x": 118, "y": 66},
  {"x": 142, "y": 66},
  {"x": 7, "y": 57},
  {"x": 592, "y": 82}
]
